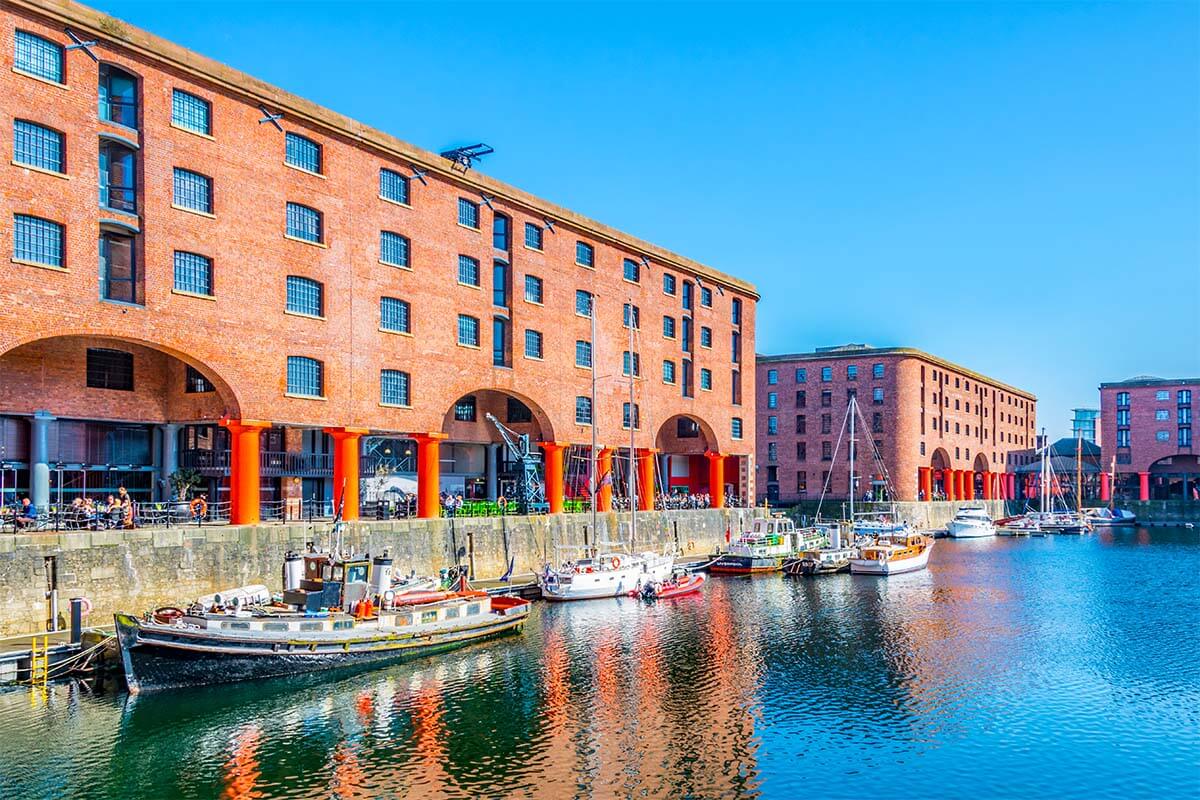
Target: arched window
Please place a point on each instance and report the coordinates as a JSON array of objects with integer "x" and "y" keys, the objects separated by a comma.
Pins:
[
  {"x": 305, "y": 296},
  {"x": 305, "y": 377}
]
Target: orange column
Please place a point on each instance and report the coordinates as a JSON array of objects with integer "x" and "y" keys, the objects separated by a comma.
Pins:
[
  {"x": 244, "y": 484},
  {"x": 554, "y": 474},
  {"x": 716, "y": 478},
  {"x": 429, "y": 470},
  {"x": 1011, "y": 479},
  {"x": 604, "y": 475},
  {"x": 1143, "y": 486},
  {"x": 345, "y": 469},
  {"x": 645, "y": 465},
  {"x": 948, "y": 483},
  {"x": 1105, "y": 490},
  {"x": 987, "y": 486},
  {"x": 925, "y": 482}
]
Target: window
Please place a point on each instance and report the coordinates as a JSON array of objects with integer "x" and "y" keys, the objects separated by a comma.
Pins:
[
  {"x": 632, "y": 271},
  {"x": 468, "y": 331},
  {"x": 468, "y": 213},
  {"x": 303, "y": 153},
  {"x": 583, "y": 303},
  {"x": 801, "y": 398},
  {"x": 193, "y": 190},
  {"x": 736, "y": 427},
  {"x": 500, "y": 232},
  {"x": 394, "y": 315},
  {"x": 109, "y": 369},
  {"x": 37, "y": 240},
  {"x": 583, "y": 353},
  {"x": 1162, "y": 394},
  {"x": 304, "y": 223},
  {"x": 500, "y": 283},
  {"x": 706, "y": 379},
  {"x": 464, "y": 409},
  {"x": 735, "y": 387},
  {"x": 193, "y": 273},
  {"x": 305, "y": 296},
  {"x": 118, "y": 185},
  {"x": 877, "y": 422},
  {"x": 826, "y": 374},
  {"x": 118, "y": 96},
  {"x": 802, "y": 482},
  {"x": 1185, "y": 437},
  {"x": 585, "y": 255},
  {"x": 735, "y": 345},
  {"x": 1185, "y": 415},
  {"x": 195, "y": 383},
  {"x": 687, "y": 428},
  {"x": 877, "y": 371},
  {"x": 1122, "y": 417},
  {"x": 801, "y": 451},
  {"x": 517, "y": 412},
  {"x": 533, "y": 236},
  {"x": 1122, "y": 398},
  {"x": 533, "y": 289},
  {"x": 686, "y": 339},
  {"x": 773, "y": 451},
  {"x": 736, "y": 311},
  {"x": 826, "y": 451},
  {"x": 772, "y": 400},
  {"x": 35, "y": 146},
  {"x": 1184, "y": 397},
  {"x": 637, "y": 417},
  {"x": 583, "y": 411},
  {"x": 38, "y": 56},
  {"x": 772, "y": 425},
  {"x": 668, "y": 283},
  {"x": 668, "y": 371},
  {"x": 826, "y": 423},
  {"x": 533, "y": 344},
  {"x": 687, "y": 387},
  {"x": 706, "y": 297},
  {"x": 687, "y": 295},
  {"x": 877, "y": 396},
  {"x": 669, "y": 327},
  {"x": 393, "y": 388},
  {"x": 1123, "y": 437},
  {"x": 468, "y": 271},
  {"x": 190, "y": 112},
  {"x": 826, "y": 398},
  {"x": 119, "y": 278},
  {"x": 772, "y": 377},
  {"x": 500, "y": 340},
  {"x": 636, "y": 361},
  {"x": 1161, "y": 415},
  {"x": 632, "y": 316},
  {"x": 393, "y": 249},
  {"x": 393, "y": 186},
  {"x": 1162, "y": 436},
  {"x": 851, "y": 372},
  {"x": 801, "y": 423},
  {"x": 305, "y": 376}
]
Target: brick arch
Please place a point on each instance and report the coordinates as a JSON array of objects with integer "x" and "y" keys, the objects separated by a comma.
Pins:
[
  {"x": 981, "y": 463},
  {"x": 940, "y": 459},
  {"x": 494, "y": 400},
  {"x": 225, "y": 391},
  {"x": 667, "y": 440}
]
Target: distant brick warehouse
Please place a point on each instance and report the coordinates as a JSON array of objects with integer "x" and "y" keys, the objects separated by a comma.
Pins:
[
  {"x": 1147, "y": 438},
  {"x": 255, "y": 286},
  {"x": 941, "y": 430}
]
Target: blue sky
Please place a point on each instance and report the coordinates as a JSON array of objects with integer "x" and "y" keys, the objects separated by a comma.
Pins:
[{"x": 1013, "y": 186}]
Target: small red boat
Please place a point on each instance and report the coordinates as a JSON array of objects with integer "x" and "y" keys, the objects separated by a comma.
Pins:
[{"x": 675, "y": 587}]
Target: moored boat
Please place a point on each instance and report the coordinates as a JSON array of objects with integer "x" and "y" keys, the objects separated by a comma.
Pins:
[
  {"x": 605, "y": 575},
  {"x": 675, "y": 586},
  {"x": 971, "y": 522},
  {"x": 828, "y": 560},
  {"x": 895, "y": 555},
  {"x": 764, "y": 548}
]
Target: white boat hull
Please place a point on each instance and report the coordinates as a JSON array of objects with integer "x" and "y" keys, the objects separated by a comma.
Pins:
[
  {"x": 607, "y": 582},
  {"x": 971, "y": 529},
  {"x": 870, "y": 566}
]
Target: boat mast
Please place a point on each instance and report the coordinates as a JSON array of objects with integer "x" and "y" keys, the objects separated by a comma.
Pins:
[
  {"x": 850, "y": 411},
  {"x": 1079, "y": 472},
  {"x": 633, "y": 420},
  {"x": 1045, "y": 475},
  {"x": 595, "y": 487}
]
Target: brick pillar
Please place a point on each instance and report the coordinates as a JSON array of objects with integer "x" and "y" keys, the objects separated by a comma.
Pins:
[
  {"x": 645, "y": 478},
  {"x": 346, "y": 480},
  {"x": 1105, "y": 489},
  {"x": 1143, "y": 486},
  {"x": 554, "y": 474},
  {"x": 245, "y": 486},
  {"x": 925, "y": 482},
  {"x": 429, "y": 471},
  {"x": 716, "y": 478},
  {"x": 604, "y": 476}
]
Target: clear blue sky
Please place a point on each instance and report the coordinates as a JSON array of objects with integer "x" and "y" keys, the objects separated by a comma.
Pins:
[{"x": 1012, "y": 186}]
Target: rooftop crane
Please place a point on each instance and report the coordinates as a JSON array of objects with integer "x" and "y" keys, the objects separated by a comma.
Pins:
[{"x": 531, "y": 490}]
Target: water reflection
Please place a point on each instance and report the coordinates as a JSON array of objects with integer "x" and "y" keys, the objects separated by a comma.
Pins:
[{"x": 1006, "y": 662}]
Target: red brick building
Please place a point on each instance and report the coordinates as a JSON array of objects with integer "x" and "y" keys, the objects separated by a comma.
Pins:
[
  {"x": 207, "y": 271},
  {"x": 941, "y": 430},
  {"x": 1147, "y": 438}
]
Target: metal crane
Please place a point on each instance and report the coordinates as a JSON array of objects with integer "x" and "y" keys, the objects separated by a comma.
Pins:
[{"x": 531, "y": 490}]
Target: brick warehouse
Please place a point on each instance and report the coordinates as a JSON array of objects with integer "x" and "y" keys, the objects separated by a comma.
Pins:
[
  {"x": 1146, "y": 440},
  {"x": 941, "y": 430},
  {"x": 271, "y": 301}
]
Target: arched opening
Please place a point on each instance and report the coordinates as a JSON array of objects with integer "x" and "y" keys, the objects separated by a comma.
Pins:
[
  {"x": 939, "y": 463},
  {"x": 1175, "y": 478},
  {"x": 683, "y": 469}
]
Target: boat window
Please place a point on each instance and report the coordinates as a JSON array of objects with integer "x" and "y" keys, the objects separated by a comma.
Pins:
[
  {"x": 452, "y": 613},
  {"x": 357, "y": 573},
  {"x": 275, "y": 626},
  {"x": 310, "y": 626},
  {"x": 428, "y": 616},
  {"x": 405, "y": 620},
  {"x": 472, "y": 609},
  {"x": 343, "y": 624},
  {"x": 238, "y": 626}
]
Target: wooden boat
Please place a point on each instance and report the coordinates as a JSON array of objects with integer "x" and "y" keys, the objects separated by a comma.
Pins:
[
  {"x": 346, "y": 617},
  {"x": 674, "y": 587},
  {"x": 892, "y": 556}
]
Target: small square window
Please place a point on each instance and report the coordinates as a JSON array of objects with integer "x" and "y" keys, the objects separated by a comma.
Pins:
[
  {"x": 303, "y": 153},
  {"x": 468, "y": 213},
  {"x": 38, "y": 56},
  {"x": 305, "y": 296},
  {"x": 583, "y": 411},
  {"x": 468, "y": 331},
  {"x": 305, "y": 377},
  {"x": 877, "y": 371},
  {"x": 37, "y": 240},
  {"x": 304, "y": 223},
  {"x": 632, "y": 270},
  {"x": 706, "y": 297},
  {"x": 465, "y": 409},
  {"x": 801, "y": 375},
  {"x": 533, "y": 236},
  {"x": 585, "y": 254},
  {"x": 393, "y": 388},
  {"x": 194, "y": 382},
  {"x": 109, "y": 369},
  {"x": 193, "y": 191},
  {"x": 533, "y": 344},
  {"x": 826, "y": 374},
  {"x": 736, "y": 428},
  {"x": 583, "y": 303},
  {"x": 393, "y": 186},
  {"x": 37, "y": 146},
  {"x": 394, "y": 315},
  {"x": 533, "y": 289},
  {"x": 668, "y": 372},
  {"x": 668, "y": 283},
  {"x": 706, "y": 379},
  {"x": 468, "y": 271},
  {"x": 772, "y": 377},
  {"x": 193, "y": 273},
  {"x": 393, "y": 249},
  {"x": 191, "y": 112},
  {"x": 583, "y": 353}
]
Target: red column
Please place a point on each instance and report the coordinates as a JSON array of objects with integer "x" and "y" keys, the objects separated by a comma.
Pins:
[
  {"x": 604, "y": 475},
  {"x": 645, "y": 478},
  {"x": 345, "y": 469},
  {"x": 948, "y": 483},
  {"x": 1010, "y": 480},
  {"x": 716, "y": 478},
  {"x": 1105, "y": 489},
  {"x": 1143, "y": 486},
  {"x": 429, "y": 470},
  {"x": 997, "y": 491},
  {"x": 960, "y": 484},
  {"x": 925, "y": 482},
  {"x": 987, "y": 486},
  {"x": 244, "y": 483},
  {"x": 554, "y": 474}
]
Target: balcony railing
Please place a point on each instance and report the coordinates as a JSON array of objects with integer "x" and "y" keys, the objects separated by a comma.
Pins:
[{"x": 271, "y": 463}]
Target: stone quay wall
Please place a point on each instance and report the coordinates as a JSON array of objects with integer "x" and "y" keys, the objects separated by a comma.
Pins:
[
  {"x": 921, "y": 515},
  {"x": 135, "y": 570},
  {"x": 1162, "y": 511}
]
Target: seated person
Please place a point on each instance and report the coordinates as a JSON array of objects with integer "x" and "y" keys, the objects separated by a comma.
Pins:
[{"x": 26, "y": 515}]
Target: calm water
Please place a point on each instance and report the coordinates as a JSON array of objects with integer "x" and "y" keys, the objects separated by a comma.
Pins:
[{"x": 1066, "y": 666}]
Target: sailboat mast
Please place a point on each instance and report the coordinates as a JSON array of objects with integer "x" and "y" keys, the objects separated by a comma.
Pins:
[
  {"x": 595, "y": 487},
  {"x": 850, "y": 411},
  {"x": 1079, "y": 472},
  {"x": 633, "y": 420}
]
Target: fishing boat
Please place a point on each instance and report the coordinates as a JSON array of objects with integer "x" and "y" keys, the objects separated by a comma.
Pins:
[
  {"x": 971, "y": 522},
  {"x": 342, "y": 614},
  {"x": 828, "y": 560},
  {"x": 893, "y": 555},
  {"x": 765, "y": 547},
  {"x": 675, "y": 586}
]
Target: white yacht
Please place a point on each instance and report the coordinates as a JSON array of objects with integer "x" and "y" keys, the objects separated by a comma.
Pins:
[
  {"x": 604, "y": 575},
  {"x": 971, "y": 522}
]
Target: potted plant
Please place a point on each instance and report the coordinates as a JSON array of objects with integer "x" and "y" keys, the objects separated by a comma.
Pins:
[{"x": 183, "y": 483}]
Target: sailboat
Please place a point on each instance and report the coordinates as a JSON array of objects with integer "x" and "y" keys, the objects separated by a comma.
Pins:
[
  {"x": 615, "y": 571},
  {"x": 1110, "y": 516},
  {"x": 1048, "y": 518}
]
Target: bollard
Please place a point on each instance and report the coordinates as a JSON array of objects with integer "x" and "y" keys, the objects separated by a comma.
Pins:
[{"x": 76, "y": 620}]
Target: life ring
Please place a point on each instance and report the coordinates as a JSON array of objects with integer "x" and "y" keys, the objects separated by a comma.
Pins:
[
  {"x": 616, "y": 562},
  {"x": 85, "y": 606},
  {"x": 199, "y": 507},
  {"x": 167, "y": 615},
  {"x": 691, "y": 546}
]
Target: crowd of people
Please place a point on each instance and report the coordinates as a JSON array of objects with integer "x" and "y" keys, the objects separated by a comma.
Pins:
[{"x": 115, "y": 511}]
